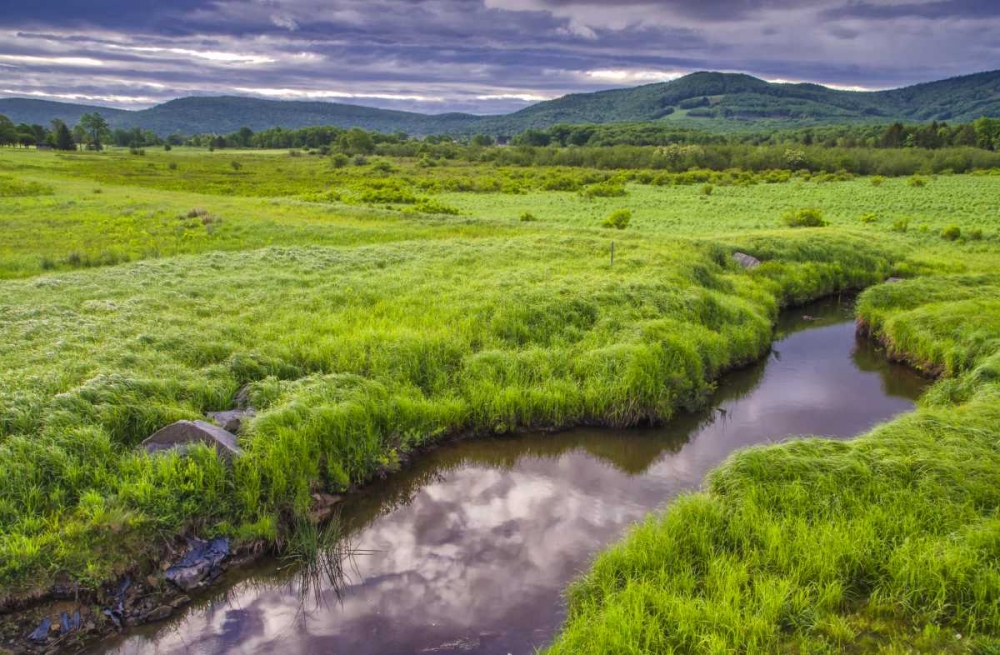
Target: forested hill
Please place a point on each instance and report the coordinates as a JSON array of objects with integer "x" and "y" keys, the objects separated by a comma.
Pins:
[
  {"x": 719, "y": 99},
  {"x": 723, "y": 96},
  {"x": 224, "y": 114}
]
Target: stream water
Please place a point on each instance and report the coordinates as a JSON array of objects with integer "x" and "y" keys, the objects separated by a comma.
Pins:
[{"x": 469, "y": 549}]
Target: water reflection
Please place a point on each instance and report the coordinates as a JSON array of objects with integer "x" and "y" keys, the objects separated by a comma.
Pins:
[{"x": 469, "y": 550}]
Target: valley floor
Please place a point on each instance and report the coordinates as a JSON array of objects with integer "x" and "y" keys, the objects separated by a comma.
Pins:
[{"x": 375, "y": 310}]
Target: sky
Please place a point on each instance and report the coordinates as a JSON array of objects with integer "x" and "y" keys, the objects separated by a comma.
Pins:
[{"x": 478, "y": 56}]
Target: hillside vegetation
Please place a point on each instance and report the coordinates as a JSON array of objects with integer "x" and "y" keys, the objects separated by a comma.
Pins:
[{"x": 706, "y": 100}]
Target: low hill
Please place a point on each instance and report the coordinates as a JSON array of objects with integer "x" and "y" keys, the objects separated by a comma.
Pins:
[
  {"x": 720, "y": 99},
  {"x": 229, "y": 113},
  {"x": 40, "y": 112},
  {"x": 224, "y": 114}
]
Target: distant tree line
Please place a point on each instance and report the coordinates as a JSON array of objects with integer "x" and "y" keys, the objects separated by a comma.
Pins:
[
  {"x": 678, "y": 158},
  {"x": 983, "y": 133},
  {"x": 895, "y": 149},
  {"x": 91, "y": 132},
  {"x": 355, "y": 141}
]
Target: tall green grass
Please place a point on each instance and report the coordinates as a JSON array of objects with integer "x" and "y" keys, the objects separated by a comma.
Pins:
[
  {"x": 888, "y": 543},
  {"x": 354, "y": 358},
  {"x": 367, "y": 329}
]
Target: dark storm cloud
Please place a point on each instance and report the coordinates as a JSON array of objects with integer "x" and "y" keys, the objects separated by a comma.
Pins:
[
  {"x": 943, "y": 9},
  {"x": 108, "y": 13},
  {"x": 472, "y": 55},
  {"x": 712, "y": 10}
]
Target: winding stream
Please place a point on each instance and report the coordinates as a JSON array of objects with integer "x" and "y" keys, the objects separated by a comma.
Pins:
[{"x": 470, "y": 548}]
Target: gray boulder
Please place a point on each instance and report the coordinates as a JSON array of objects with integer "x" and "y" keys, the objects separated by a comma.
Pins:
[
  {"x": 200, "y": 563},
  {"x": 746, "y": 261},
  {"x": 158, "y": 614},
  {"x": 242, "y": 398},
  {"x": 323, "y": 505},
  {"x": 232, "y": 420},
  {"x": 183, "y": 434},
  {"x": 41, "y": 634}
]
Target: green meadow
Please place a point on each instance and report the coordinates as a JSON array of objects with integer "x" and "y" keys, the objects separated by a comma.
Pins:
[{"x": 374, "y": 307}]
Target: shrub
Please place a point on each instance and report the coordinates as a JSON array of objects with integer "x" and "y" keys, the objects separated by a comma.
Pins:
[
  {"x": 235, "y": 165},
  {"x": 917, "y": 181},
  {"x": 167, "y": 147},
  {"x": 808, "y": 217},
  {"x": 604, "y": 190},
  {"x": 870, "y": 217},
  {"x": 976, "y": 234},
  {"x": 12, "y": 188},
  {"x": 339, "y": 160},
  {"x": 901, "y": 225},
  {"x": 795, "y": 159},
  {"x": 618, "y": 219},
  {"x": 383, "y": 166},
  {"x": 360, "y": 160},
  {"x": 294, "y": 153},
  {"x": 951, "y": 233},
  {"x": 561, "y": 183},
  {"x": 387, "y": 196},
  {"x": 432, "y": 206},
  {"x": 172, "y": 166},
  {"x": 878, "y": 180},
  {"x": 528, "y": 217},
  {"x": 707, "y": 190}
]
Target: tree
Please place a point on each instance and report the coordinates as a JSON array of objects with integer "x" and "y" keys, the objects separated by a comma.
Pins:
[
  {"x": 988, "y": 133},
  {"x": 8, "y": 132},
  {"x": 26, "y": 135},
  {"x": 63, "y": 138},
  {"x": 966, "y": 136},
  {"x": 243, "y": 137},
  {"x": 580, "y": 135},
  {"x": 358, "y": 142},
  {"x": 893, "y": 136},
  {"x": 533, "y": 138},
  {"x": 96, "y": 130}
]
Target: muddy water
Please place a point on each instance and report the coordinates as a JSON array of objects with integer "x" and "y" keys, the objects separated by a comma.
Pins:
[{"x": 468, "y": 551}]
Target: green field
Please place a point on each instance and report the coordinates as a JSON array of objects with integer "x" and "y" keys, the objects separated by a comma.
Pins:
[{"x": 376, "y": 308}]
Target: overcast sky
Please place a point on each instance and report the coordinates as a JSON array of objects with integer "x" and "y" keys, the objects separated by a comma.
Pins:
[{"x": 482, "y": 56}]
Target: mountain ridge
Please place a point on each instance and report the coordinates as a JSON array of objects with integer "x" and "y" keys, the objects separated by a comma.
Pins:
[{"x": 711, "y": 98}]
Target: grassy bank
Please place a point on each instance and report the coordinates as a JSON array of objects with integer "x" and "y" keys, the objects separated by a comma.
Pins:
[
  {"x": 355, "y": 357},
  {"x": 888, "y": 543},
  {"x": 368, "y": 329}
]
